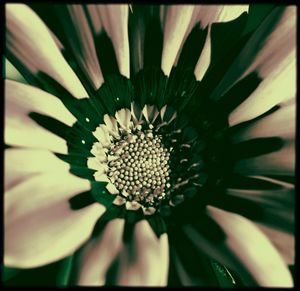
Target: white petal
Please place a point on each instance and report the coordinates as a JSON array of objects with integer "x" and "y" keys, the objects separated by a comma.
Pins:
[
  {"x": 249, "y": 244},
  {"x": 246, "y": 250},
  {"x": 148, "y": 210},
  {"x": 40, "y": 227},
  {"x": 99, "y": 253},
  {"x": 281, "y": 123},
  {"x": 20, "y": 164},
  {"x": 95, "y": 164},
  {"x": 99, "y": 151},
  {"x": 22, "y": 99},
  {"x": 132, "y": 205},
  {"x": 102, "y": 134},
  {"x": 276, "y": 63},
  {"x": 123, "y": 117},
  {"x": 20, "y": 129},
  {"x": 231, "y": 12},
  {"x": 280, "y": 44},
  {"x": 176, "y": 24},
  {"x": 204, "y": 60},
  {"x": 145, "y": 261},
  {"x": 83, "y": 44},
  {"x": 276, "y": 206},
  {"x": 206, "y": 15},
  {"x": 95, "y": 17},
  {"x": 100, "y": 177},
  {"x": 115, "y": 21},
  {"x": 12, "y": 73},
  {"x": 284, "y": 242},
  {"x": 280, "y": 162},
  {"x": 119, "y": 200},
  {"x": 278, "y": 87},
  {"x": 111, "y": 188},
  {"x": 150, "y": 113},
  {"x": 112, "y": 125},
  {"x": 30, "y": 41}
]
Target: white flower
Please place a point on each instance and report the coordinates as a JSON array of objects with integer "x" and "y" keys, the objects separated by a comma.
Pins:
[{"x": 142, "y": 140}]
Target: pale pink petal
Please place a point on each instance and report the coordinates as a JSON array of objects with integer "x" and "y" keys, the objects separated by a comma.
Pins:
[
  {"x": 276, "y": 64},
  {"x": 279, "y": 86},
  {"x": 83, "y": 44},
  {"x": 283, "y": 38},
  {"x": 176, "y": 23},
  {"x": 281, "y": 162},
  {"x": 231, "y": 12},
  {"x": 99, "y": 253},
  {"x": 20, "y": 129},
  {"x": 30, "y": 41},
  {"x": 283, "y": 241},
  {"x": 246, "y": 250},
  {"x": 40, "y": 227},
  {"x": 12, "y": 73},
  {"x": 205, "y": 57},
  {"x": 207, "y": 14},
  {"x": 145, "y": 260},
  {"x": 20, "y": 164},
  {"x": 114, "y": 19},
  {"x": 281, "y": 123}
]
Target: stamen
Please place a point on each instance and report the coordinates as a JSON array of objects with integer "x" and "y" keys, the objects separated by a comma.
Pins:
[
  {"x": 147, "y": 166},
  {"x": 143, "y": 167}
]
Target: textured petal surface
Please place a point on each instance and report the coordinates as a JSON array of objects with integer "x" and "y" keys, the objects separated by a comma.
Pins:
[
  {"x": 83, "y": 44},
  {"x": 280, "y": 162},
  {"x": 114, "y": 19},
  {"x": 204, "y": 60},
  {"x": 12, "y": 73},
  {"x": 246, "y": 250},
  {"x": 20, "y": 164},
  {"x": 283, "y": 38},
  {"x": 98, "y": 254},
  {"x": 144, "y": 262},
  {"x": 284, "y": 242},
  {"x": 273, "y": 208},
  {"x": 176, "y": 24},
  {"x": 281, "y": 123},
  {"x": 208, "y": 14},
  {"x": 20, "y": 129},
  {"x": 278, "y": 69},
  {"x": 40, "y": 227},
  {"x": 27, "y": 36}
]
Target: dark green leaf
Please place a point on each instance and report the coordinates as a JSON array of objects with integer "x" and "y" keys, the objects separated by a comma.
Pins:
[
  {"x": 8, "y": 273},
  {"x": 223, "y": 276},
  {"x": 64, "y": 273}
]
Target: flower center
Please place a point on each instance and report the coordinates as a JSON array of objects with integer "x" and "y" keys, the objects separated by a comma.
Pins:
[
  {"x": 141, "y": 167},
  {"x": 149, "y": 158}
]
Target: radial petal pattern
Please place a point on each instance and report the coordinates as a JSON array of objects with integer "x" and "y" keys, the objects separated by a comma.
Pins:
[{"x": 150, "y": 145}]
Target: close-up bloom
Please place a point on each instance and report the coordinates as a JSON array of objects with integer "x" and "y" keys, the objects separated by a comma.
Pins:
[{"x": 149, "y": 145}]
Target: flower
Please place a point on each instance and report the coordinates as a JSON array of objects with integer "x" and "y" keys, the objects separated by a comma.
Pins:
[{"x": 141, "y": 141}]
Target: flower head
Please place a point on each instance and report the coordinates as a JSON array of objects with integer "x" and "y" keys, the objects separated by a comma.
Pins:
[{"x": 142, "y": 141}]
